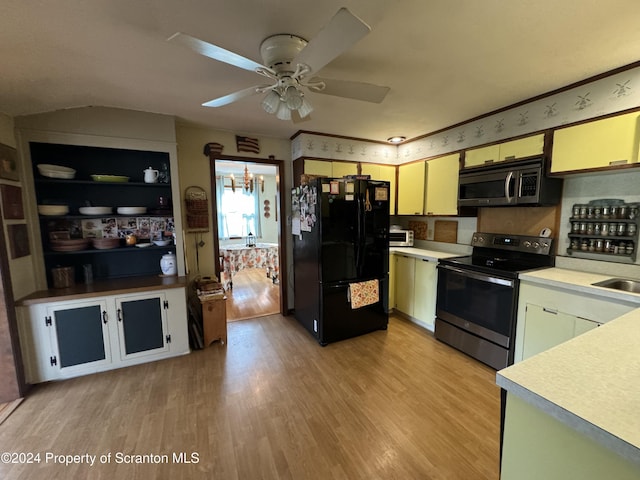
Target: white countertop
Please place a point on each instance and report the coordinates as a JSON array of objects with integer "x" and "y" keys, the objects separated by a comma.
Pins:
[
  {"x": 431, "y": 255},
  {"x": 591, "y": 383},
  {"x": 579, "y": 282}
]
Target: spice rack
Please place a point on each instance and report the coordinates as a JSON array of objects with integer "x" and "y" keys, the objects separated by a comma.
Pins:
[{"x": 605, "y": 229}]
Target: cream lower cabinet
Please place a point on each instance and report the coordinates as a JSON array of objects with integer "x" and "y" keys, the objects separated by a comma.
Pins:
[
  {"x": 392, "y": 282},
  {"x": 548, "y": 316},
  {"x": 77, "y": 337},
  {"x": 424, "y": 292},
  {"x": 415, "y": 289},
  {"x": 547, "y": 327},
  {"x": 599, "y": 144},
  {"x": 405, "y": 281},
  {"x": 538, "y": 446}
]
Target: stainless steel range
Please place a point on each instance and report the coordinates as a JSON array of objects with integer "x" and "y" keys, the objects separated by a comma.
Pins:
[{"x": 478, "y": 294}]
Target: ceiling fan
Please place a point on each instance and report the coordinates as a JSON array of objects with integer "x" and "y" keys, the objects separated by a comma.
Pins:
[{"x": 289, "y": 61}]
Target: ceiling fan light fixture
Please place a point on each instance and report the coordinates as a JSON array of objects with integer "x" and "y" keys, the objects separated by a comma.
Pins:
[
  {"x": 271, "y": 102},
  {"x": 396, "y": 139},
  {"x": 283, "y": 112},
  {"x": 293, "y": 98},
  {"x": 306, "y": 108}
]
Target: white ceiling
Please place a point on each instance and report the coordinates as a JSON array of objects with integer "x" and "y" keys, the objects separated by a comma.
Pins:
[{"x": 446, "y": 61}]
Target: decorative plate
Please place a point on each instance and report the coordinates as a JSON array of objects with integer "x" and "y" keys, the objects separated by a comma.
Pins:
[{"x": 109, "y": 178}]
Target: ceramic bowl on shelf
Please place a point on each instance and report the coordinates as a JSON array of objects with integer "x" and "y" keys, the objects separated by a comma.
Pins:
[
  {"x": 95, "y": 210},
  {"x": 162, "y": 243},
  {"x": 69, "y": 245},
  {"x": 143, "y": 245},
  {"x": 53, "y": 209},
  {"x": 105, "y": 243},
  {"x": 109, "y": 178},
  {"x": 131, "y": 210},
  {"x": 56, "y": 171}
]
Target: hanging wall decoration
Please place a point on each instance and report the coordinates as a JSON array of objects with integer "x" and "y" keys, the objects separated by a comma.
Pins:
[
  {"x": 246, "y": 144},
  {"x": 8, "y": 163},
  {"x": 11, "y": 202},
  {"x": 18, "y": 240}
]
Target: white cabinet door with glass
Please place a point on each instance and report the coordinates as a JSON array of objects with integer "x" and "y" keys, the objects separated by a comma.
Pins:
[{"x": 78, "y": 337}]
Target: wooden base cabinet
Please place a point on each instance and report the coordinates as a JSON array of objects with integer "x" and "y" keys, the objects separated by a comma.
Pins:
[{"x": 78, "y": 337}]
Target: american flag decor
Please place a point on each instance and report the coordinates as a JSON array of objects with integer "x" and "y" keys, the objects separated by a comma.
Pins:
[{"x": 246, "y": 144}]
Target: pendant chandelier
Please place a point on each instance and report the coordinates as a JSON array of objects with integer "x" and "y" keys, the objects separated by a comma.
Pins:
[{"x": 248, "y": 181}]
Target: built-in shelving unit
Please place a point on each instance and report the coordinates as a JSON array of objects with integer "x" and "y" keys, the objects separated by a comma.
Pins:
[{"x": 157, "y": 222}]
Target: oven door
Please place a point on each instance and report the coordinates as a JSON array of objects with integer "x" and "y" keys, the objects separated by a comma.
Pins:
[{"x": 482, "y": 304}]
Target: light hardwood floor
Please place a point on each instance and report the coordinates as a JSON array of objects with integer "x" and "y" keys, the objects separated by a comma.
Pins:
[
  {"x": 273, "y": 404},
  {"x": 253, "y": 295}
]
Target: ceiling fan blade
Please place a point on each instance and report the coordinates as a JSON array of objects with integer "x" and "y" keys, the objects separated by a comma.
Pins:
[
  {"x": 342, "y": 31},
  {"x": 215, "y": 52},
  {"x": 232, "y": 97},
  {"x": 367, "y": 92},
  {"x": 296, "y": 118}
]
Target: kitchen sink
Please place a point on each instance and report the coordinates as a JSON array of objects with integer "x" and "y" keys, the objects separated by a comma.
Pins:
[{"x": 620, "y": 284}]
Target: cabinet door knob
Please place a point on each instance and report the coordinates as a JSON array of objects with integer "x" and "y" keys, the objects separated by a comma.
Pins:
[
  {"x": 119, "y": 315},
  {"x": 104, "y": 316}
]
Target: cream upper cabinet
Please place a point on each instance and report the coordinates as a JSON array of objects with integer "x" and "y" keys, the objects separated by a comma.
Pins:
[
  {"x": 511, "y": 150},
  {"x": 481, "y": 156},
  {"x": 321, "y": 168},
  {"x": 341, "y": 169},
  {"x": 386, "y": 173},
  {"x": 326, "y": 168},
  {"x": 602, "y": 143},
  {"x": 411, "y": 187},
  {"x": 441, "y": 197}
]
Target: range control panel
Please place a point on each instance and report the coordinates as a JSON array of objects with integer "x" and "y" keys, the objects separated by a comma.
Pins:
[{"x": 517, "y": 243}]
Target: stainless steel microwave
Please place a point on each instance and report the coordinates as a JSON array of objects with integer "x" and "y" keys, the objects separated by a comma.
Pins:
[
  {"x": 521, "y": 183},
  {"x": 400, "y": 238}
]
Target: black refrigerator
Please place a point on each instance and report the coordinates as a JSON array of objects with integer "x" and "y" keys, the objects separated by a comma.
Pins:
[{"x": 340, "y": 244}]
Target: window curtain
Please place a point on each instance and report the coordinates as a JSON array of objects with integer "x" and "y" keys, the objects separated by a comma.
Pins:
[
  {"x": 252, "y": 219},
  {"x": 223, "y": 230}
]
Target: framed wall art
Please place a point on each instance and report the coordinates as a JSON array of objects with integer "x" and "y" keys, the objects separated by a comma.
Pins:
[
  {"x": 8, "y": 162},
  {"x": 11, "y": 202},
  {"x": 18, "y": 240}
]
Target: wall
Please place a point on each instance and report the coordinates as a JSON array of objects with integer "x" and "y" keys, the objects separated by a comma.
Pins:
[
  {"x": 583, "y": 188},
  {"x": 195, "y": 170}
]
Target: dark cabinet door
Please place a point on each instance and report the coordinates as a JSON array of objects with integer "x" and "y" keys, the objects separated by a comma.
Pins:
[
  {"x": 80, "y": 335},
  {"x": 142, "y": 325}
]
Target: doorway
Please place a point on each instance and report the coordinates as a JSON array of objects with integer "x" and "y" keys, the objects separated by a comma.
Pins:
[{"x": 248, "y": 222}]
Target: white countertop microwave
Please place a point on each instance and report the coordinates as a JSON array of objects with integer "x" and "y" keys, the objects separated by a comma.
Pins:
[{"x": 400, "y": 238}]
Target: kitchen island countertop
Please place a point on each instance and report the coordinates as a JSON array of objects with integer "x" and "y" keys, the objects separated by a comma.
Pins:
[
  {"x": 589, "y": 383},
  {"x": 578, "y": 281}
]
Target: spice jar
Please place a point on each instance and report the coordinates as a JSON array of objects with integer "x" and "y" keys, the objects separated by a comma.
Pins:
[
  {"x": 622, "y": 229},
  {"x": 599, "y": 245},
  {"x": 604, "y": 229},
  {"x": 613, "y": 227},
  {"x": 631, "y": 229},
  {"x": 590, "y": 228}
]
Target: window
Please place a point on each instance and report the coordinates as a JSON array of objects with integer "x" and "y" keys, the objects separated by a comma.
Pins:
[{"x": 237, "y": 213}]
